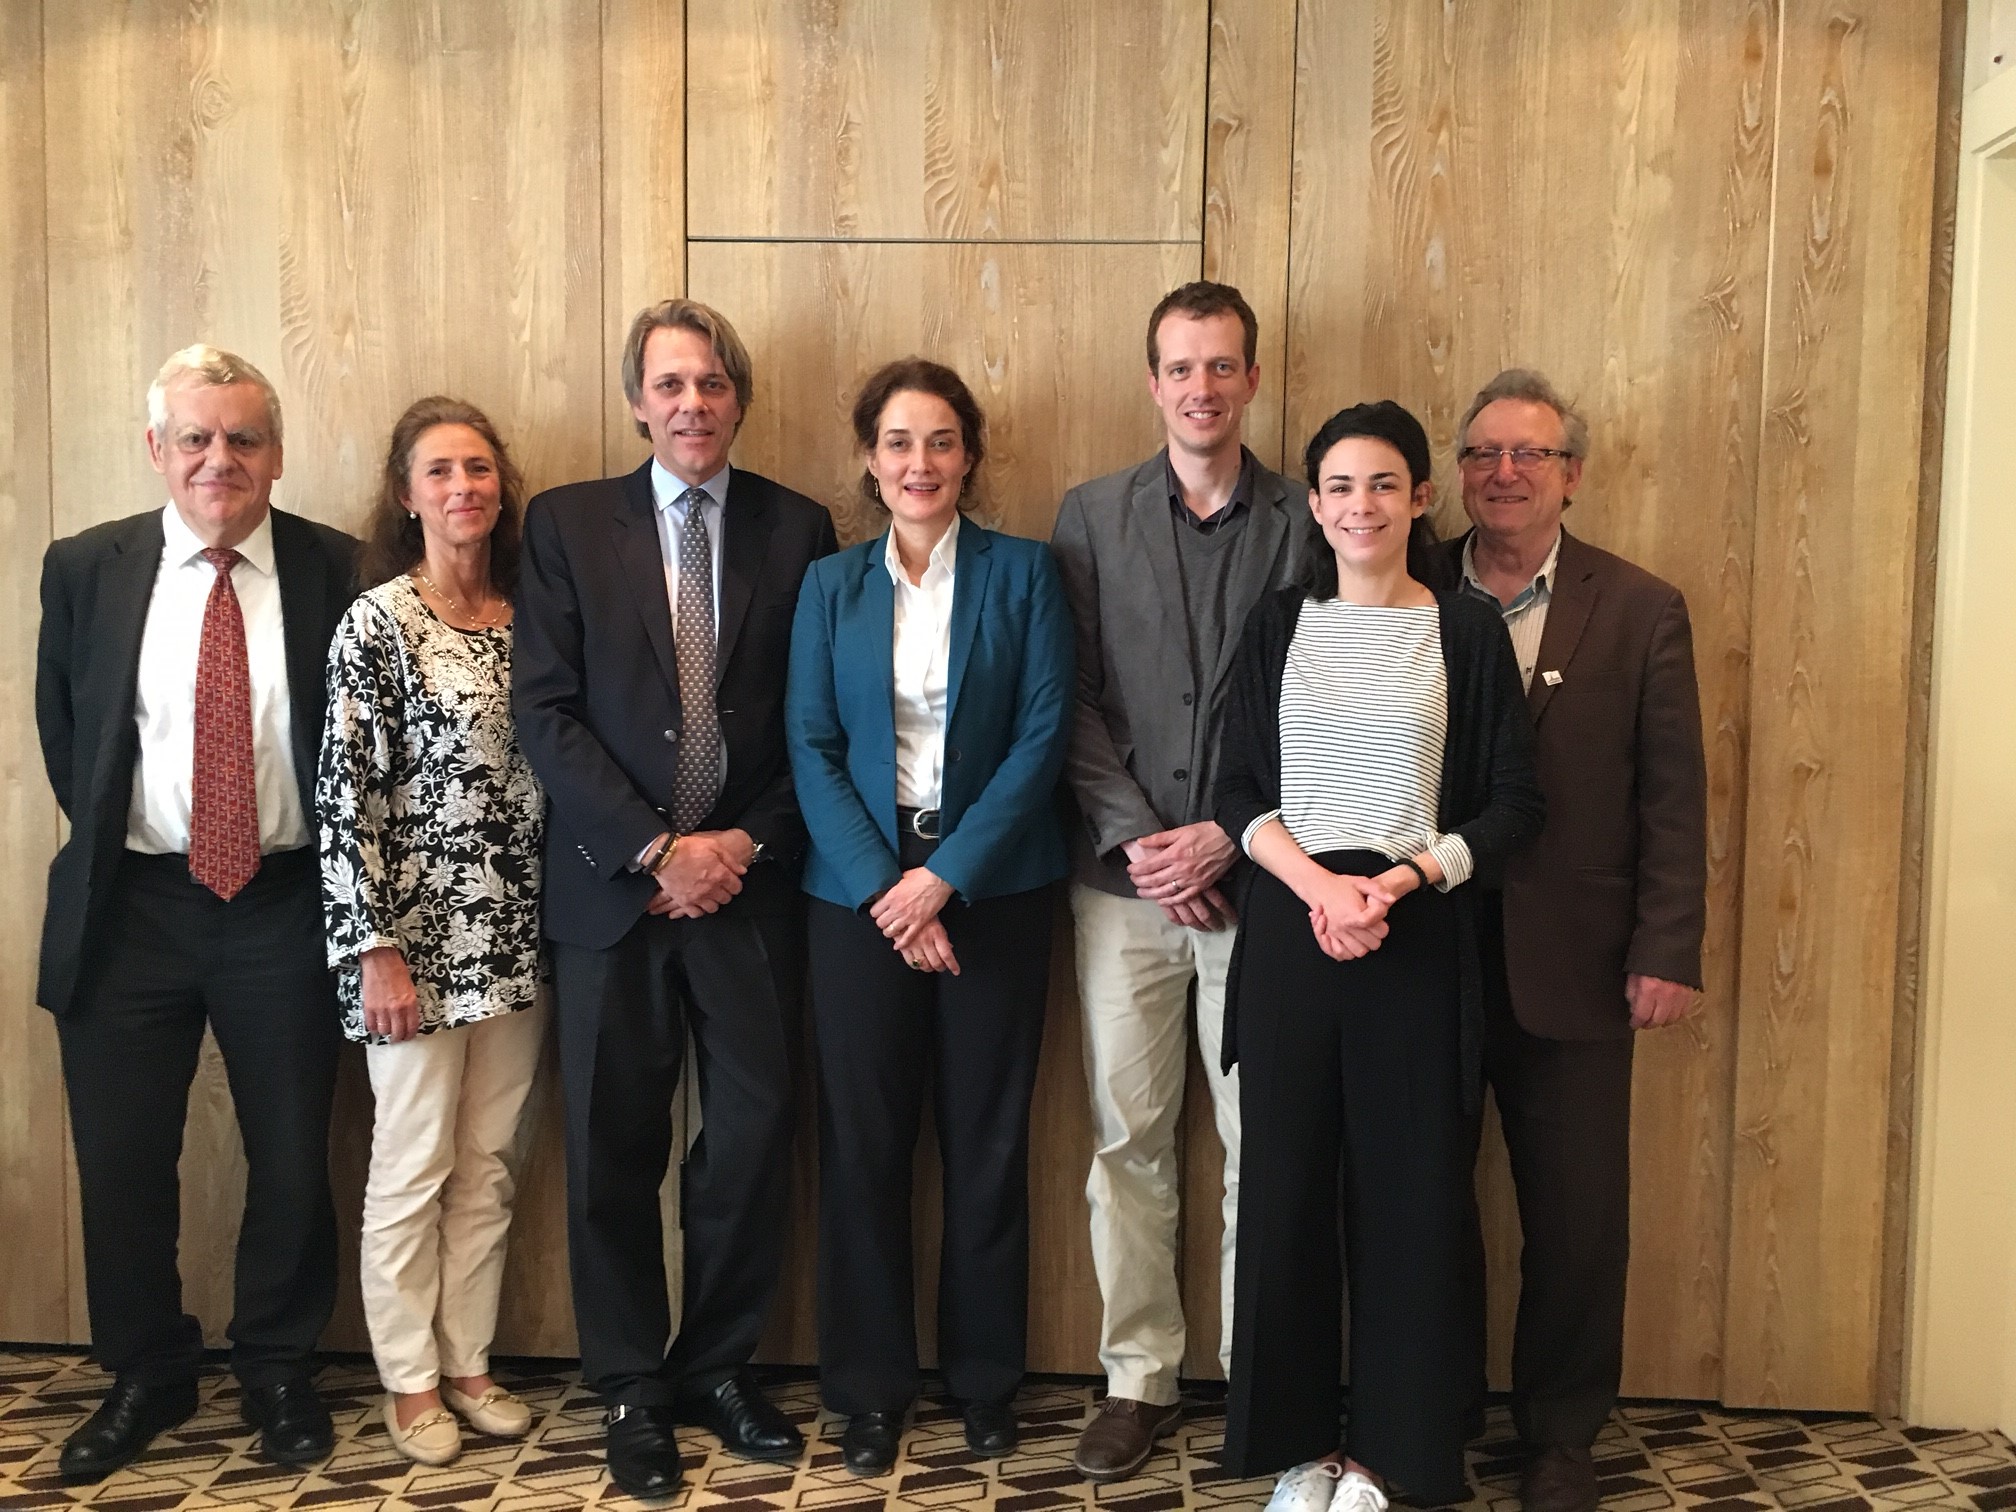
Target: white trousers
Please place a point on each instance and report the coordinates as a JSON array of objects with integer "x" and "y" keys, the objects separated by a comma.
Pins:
[
  {"x": 445, "y": 1149},
  {"x": 1134, "y": 975}
]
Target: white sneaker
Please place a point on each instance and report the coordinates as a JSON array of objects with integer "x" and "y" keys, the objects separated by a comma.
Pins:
[
  {"x": 1307, "y": 1488},
  {"x": 1357, "y": 1492}
]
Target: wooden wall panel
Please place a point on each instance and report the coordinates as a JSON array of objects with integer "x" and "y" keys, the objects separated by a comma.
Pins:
[
  {"x": 34, "y": 1281},
  {"x": 947, "y": 119},
  {"x": 1835, "y": 573},
  {"x": 1607, "y": 223}
]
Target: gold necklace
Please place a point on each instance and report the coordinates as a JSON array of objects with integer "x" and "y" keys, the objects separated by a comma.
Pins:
[{"x": 483, "y": 620}]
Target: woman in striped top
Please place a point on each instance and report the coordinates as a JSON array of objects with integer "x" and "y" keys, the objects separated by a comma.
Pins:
[{"x": 1377, "y": 764}]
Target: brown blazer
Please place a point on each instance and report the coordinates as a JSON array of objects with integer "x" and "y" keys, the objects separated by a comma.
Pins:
[{"x": 1617, "y": 882}]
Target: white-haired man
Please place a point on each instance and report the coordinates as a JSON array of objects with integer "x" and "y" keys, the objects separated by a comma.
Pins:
[{"x": 179, "y": 698}]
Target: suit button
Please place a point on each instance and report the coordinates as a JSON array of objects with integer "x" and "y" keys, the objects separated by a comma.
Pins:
[
  {"x": 1182, "y": 774},
  {"x": 952, "y": 754},
  {"x": 672, "y": 735},
  {"x": 1188, "y": 699}
]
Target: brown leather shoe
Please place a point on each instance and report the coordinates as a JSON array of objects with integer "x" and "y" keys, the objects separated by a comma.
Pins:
[
  {"x": 1559, "y": 1480},
  {"x": 1121, "y": 1436}
]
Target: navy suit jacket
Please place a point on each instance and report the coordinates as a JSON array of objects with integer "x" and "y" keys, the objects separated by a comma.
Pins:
[{"x": 1010, "y": 681}]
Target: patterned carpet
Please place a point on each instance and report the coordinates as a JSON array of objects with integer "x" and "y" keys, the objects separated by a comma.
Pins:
[{"x": 1653, "y": 1456}]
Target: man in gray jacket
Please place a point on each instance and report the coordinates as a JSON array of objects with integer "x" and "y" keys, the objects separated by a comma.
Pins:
[{"x": 1162, "y": 561}]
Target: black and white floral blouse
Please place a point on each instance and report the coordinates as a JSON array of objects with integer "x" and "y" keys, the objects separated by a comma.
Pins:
[{"x": 430, "y": 814}]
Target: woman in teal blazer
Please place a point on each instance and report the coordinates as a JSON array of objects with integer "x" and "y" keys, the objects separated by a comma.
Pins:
[{"x": 928, "y": 714}]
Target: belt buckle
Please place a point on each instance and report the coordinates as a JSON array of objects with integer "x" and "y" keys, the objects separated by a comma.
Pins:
[{"x": 924, "y": 824}]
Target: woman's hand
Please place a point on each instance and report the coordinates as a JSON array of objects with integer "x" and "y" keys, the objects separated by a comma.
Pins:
[
  {"x": 391, "y": 1008},
  {"x": 931, "y": 950},
  {"x": 1348, "y": 914},
  {"x": 904, "y": 910}
]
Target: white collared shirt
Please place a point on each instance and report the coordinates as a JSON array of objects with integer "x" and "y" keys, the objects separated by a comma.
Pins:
[
  {"x": 164, "y": 702},
  {"x": 1526, "y": 616},
  {"x": 667, "y": 493},
  {"x": 923, "y": 638}
]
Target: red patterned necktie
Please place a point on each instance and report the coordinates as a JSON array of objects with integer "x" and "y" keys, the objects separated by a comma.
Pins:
[{"x": 224, "y": 797}]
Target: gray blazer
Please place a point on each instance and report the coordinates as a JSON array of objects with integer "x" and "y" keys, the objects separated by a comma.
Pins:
[{"x": 1138, "y": 701}]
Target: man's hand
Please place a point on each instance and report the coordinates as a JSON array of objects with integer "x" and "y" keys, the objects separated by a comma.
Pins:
[
  {"x": 1656, "y": 1002},
  {"x": 1175, "y": 865},
  {"x": 391, "y": 1007},
  {"x": 705, "y": 871},
  {"x": 1208, "y": 911},
  {"x": 903, "y": 911}
]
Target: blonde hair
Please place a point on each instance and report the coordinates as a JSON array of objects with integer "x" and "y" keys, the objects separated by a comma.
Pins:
[
  {"x": 214, "y": 368},
  {"x": 702, "y": 320}
]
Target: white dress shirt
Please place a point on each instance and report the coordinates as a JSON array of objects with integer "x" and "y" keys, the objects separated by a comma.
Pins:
[
  {"x": 164, "y": 704},
  {"x": 667, "y": 492},
  {"x": 1526, "y": 616},
  {"x": 923, "y": 637}
]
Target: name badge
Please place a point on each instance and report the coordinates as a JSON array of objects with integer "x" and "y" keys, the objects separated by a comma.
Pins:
[{"x": 1552, "y": 679}]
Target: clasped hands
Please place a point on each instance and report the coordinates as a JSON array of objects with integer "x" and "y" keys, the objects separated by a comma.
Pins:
[
  {"x": 907, "y": 915},
  {"x": 1347, "y": 914},
  {"x": 704, "y": 872},
  {"x": 1179, "y": 869}
]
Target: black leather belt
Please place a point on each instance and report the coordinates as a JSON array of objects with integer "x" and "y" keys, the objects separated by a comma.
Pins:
[{"x": 923, "y": 823}]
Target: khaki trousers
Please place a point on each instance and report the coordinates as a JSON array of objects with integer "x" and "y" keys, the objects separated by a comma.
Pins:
[
  {"x": 1135, "y": 969},
  {"x": 445, "y": 1149}
]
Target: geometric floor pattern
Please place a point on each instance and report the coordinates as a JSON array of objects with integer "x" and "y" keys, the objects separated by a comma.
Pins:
[{"x": 1652, "y": 1457}]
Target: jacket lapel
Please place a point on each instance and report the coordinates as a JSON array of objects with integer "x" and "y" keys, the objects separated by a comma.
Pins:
[
  {"x": 1271, "y": 517},
  {"x": 1574, "y": 596},
  {"x": 969, "y": 592},
  {"x": 634, "y": 535},
  {"x": 304, "y": 623},
  {"x": 875, "y": 624},
  {"x": 121, "y": 618},
  {"x": 1153, "y": 530},
  {"x": 745, "y": 527}
]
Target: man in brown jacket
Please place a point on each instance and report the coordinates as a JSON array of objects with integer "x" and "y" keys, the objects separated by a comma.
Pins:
[{"x": 1599, "y": 932}]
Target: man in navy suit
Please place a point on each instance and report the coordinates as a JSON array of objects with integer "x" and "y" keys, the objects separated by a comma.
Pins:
[
  {"x": 653, "y": 630},
  {"x": 179, "y": 698}
]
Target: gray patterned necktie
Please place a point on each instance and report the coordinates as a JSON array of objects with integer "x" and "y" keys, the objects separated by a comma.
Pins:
[{"x": 696, "y": 780}]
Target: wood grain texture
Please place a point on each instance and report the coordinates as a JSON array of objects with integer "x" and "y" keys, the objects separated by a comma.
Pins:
[
  {"x": 1608, "y": 224},
  {"x": 34, "y": 1280},
  {"x": 946, "y": 119},
  {"x": 1836, "y": 574},
  {"x": 1248, "y": 158}
]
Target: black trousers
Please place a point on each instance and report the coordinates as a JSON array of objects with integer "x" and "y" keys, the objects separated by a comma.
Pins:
[
  {"x": 1565, "y": 1106},
  {"x": 1352, "y": 1062},
  {"x": 171, "y": 957},
  {"x": 734, "y": 979},
  {"x": 885, "y": 1034}
]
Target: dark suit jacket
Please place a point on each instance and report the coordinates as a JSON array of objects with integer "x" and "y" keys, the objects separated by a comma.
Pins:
[
  {"x": 1007, "y": 721},
  {"x": 96, "y": 588},
  {"x": 1617, "y": 881},
  {"x": 595, "y": 688}
]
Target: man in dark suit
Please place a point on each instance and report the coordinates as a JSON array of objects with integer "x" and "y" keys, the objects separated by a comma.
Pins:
[
  {"x": 179, "y": 698},
  {"x": 653, "y": 630},
  {"x": 1597, "y": 933}
]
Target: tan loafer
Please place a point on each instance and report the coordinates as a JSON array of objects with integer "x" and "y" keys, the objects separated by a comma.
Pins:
[
  {"x": 433, "y": 1438},
  {"x": 497, "y": 1412}
]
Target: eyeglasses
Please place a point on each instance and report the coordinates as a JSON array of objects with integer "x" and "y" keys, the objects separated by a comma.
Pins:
[{"x": 1525, "y": 458}]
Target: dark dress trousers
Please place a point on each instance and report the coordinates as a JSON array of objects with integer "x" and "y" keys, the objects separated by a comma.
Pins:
[
  {"x": 1616, "y": 884},
  {"x": 595, "y": 690},
  {"x": 1376, "y": 1060},
  {"x": 889, "y": 1036},
  {"x": 136, "y": 958}
]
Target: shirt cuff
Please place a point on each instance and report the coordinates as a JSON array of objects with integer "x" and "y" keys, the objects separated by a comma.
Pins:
[
  {"x": 1452, "y": 854},
  {"x": 1246, "y": 836}
]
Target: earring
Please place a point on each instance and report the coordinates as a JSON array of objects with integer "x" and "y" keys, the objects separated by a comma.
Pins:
[
  {"x": 411, "y": 515},
  {"x": 876, "y": 484}
]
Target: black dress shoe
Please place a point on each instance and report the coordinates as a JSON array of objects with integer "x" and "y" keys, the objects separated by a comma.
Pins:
[
  {"x": 131, "y": 1414},
  {"x": 990, "y": 1428},
  {"x": 869, "y": 1445},
  {"x": 643, "y": 1454},
  {"x": 737, "y": 1413},
  {"x": 293, "y": 1424}
]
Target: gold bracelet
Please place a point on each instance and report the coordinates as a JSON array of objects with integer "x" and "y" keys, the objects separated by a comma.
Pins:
[{"x": 664, "y": 857}]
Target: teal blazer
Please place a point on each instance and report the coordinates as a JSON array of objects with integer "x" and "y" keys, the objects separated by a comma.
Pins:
[{"x": 1010, "y": 683}]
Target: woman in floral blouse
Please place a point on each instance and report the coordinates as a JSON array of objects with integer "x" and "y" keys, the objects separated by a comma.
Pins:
[{"x": 430, "y": 883}]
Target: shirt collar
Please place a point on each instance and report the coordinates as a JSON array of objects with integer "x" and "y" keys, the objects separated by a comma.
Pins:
[
  {"x": 181, "y": 545},
  {"x": 1540, "y": 588},
  {"x": 944, "y": 556},
  {"x": 1242, "y": 491},
  {"x": 667, "y": 490}
]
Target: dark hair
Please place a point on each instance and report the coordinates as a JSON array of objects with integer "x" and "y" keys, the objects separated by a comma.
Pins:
[
  {"x": 1200, "y": 301},
  {"x": 393, "y": 543},
  {"x": 1381, "y": 420},
  {"x": 919, "y": 375}
]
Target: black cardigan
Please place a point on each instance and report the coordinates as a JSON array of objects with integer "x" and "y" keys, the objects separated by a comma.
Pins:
[{"x": 1490, "y": 792}]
